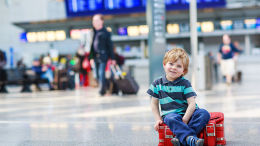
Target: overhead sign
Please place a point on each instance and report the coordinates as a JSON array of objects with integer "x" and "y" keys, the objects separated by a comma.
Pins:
[
  {"x": 43, "y": 36},
  {"x": 76, "y": 8}
]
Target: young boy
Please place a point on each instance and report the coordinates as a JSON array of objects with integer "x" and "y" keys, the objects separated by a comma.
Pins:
[{"x": 177, "y": 100}]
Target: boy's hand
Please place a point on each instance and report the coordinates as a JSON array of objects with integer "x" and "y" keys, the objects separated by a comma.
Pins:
[{"x": 156, "y": 125}]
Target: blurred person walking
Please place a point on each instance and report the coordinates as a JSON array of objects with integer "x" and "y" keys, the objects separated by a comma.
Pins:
[
  {"x": 82, "y": 58},
  {"x": 3, "y": 74},
  {"x": 227, "y": 56},
  {"x": 101, "y": 50}
]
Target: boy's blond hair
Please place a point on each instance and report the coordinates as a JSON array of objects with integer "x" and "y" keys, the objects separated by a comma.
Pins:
[{"x": 177, "y": 53}]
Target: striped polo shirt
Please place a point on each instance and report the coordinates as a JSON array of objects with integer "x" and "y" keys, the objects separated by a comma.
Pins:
[{"x": 172, "y": 95}]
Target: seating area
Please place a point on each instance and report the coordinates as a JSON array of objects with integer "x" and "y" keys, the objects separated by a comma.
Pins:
[{"x": 23, "y": 77}]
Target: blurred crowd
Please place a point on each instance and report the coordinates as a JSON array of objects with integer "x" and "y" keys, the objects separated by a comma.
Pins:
[{"x": 60, "y": 73}]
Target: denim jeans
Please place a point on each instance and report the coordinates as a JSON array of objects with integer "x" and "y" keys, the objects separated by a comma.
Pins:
[
  {"x": 48, "y": 75},
  {"x": 197, "y": 122},
  {"x": 100, "y": 74}
]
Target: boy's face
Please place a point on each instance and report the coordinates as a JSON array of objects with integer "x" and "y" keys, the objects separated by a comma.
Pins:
[{"x": 173, "y": 70}]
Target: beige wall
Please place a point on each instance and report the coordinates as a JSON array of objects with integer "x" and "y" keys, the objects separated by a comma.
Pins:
[{"x": 26, "y": 11}]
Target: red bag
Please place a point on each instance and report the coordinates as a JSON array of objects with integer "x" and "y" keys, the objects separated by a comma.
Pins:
[
  {"x": 86, "y": 64},
  {"x": 209, "y": 134},
  {"x": 213, "y": 133},
  {"x": 165, "y": 135}
]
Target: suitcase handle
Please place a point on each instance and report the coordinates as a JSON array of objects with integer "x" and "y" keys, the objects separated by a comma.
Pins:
[
  {"x": 117, "y": 71},
  {"x": 214, "y": 130}
]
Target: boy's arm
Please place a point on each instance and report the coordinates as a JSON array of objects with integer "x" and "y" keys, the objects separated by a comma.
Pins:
[
  {"x": 190, "y": 110},
  {"x": 156, "y": 112}
]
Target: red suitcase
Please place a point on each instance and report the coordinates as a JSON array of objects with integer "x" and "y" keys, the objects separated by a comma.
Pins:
[
  {"x": 165, "y": 135},
  {"x": 213, "y": 133},
  {"x": 209, "y": 134}
]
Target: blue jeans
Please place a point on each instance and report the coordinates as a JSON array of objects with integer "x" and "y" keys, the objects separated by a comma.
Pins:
[
  {"x": 48, "y": 75},
  {"x": 198, "y": 121},
  {"x": 100, "y": 74}
]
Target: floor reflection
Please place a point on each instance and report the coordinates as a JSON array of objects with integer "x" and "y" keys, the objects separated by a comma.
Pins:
[{"x": 81, "y": 117}]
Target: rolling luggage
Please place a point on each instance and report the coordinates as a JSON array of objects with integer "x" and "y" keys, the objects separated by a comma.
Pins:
[
  {"x": 62, "y": 79},
  {"x": 125, "y": 83},
  {"x": 71, "y": 79},
  {"x": 213, "y": 133},
  {"x": 165, "y": 135}
]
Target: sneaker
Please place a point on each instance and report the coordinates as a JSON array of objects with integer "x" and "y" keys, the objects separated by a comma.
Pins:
[
  {"x": 175, "y": 141},
  {"x": 194, "y": 141},
  {"x": 101, "y": 93},
  {"x": 200, "y": 142}
]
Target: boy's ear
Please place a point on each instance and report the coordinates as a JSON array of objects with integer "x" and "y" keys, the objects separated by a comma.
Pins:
[
  {"x": 163, "y": 66},
  {"x": 185, "y": 71}
]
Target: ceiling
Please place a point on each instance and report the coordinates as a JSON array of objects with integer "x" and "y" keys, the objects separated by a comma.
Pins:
[{"x": 140, "y": 18}]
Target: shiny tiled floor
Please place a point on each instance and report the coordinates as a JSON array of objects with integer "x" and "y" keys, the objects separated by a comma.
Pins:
[{"x": 82, "y": 118}]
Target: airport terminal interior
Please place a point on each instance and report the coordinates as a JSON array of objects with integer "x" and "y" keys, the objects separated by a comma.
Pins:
[{"x": 69, "y": 111}]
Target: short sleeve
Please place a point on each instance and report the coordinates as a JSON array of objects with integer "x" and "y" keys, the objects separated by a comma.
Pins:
[
  {"x": 153, "y": 91},
  {"x": 188, "y": 90}
]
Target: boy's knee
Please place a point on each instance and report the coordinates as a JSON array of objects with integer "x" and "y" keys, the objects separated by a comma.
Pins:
[
  {"x": 172, "y": 118},
  {"x": 205, "y": 114}
]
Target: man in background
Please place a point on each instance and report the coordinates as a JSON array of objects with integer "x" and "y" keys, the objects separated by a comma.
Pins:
[{"x": 101, "y": 50}]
